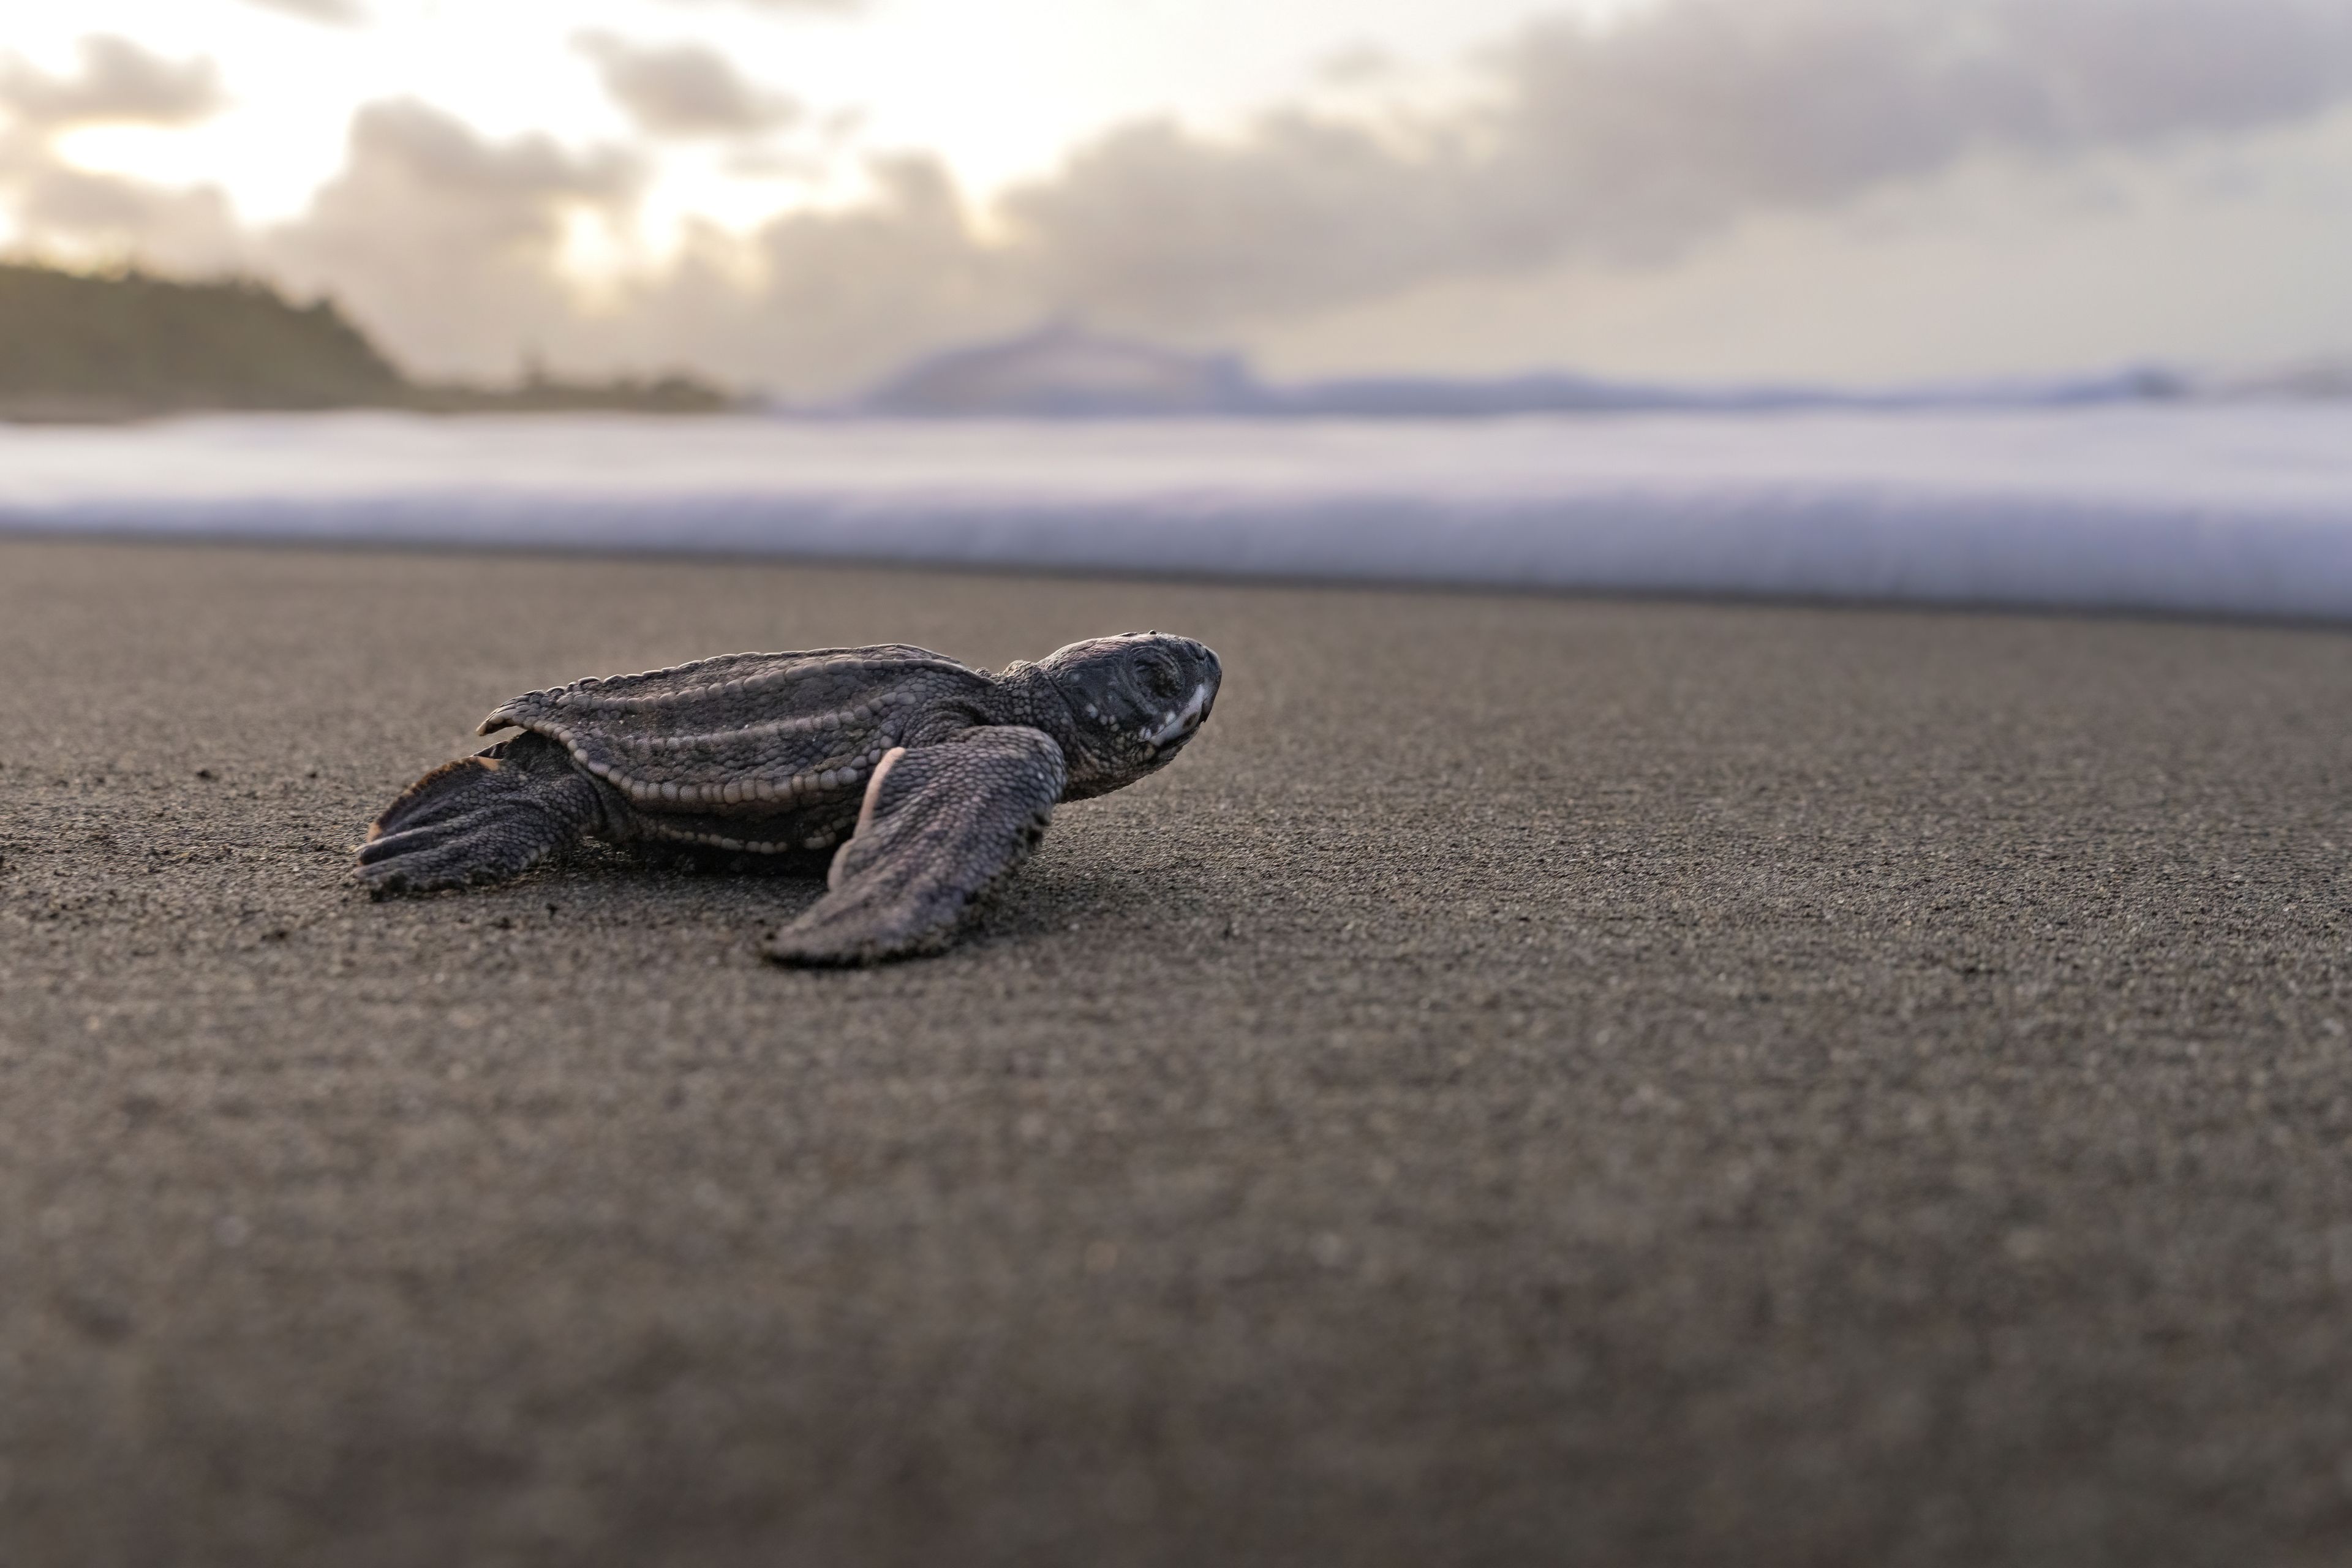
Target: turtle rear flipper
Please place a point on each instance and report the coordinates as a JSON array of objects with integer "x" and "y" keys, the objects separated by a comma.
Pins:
[
  {"x": 483, "y": 818},
  {"x": 941, "y": 828}
]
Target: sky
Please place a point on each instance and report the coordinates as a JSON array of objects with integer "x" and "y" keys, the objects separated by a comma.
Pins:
[{"x": 799, "y": 195}]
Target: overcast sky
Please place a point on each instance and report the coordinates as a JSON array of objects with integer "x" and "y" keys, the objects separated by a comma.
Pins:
[{"x": 797, "y": 194}]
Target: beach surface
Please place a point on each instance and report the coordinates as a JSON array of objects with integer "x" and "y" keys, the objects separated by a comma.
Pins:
[{"x": 1538, "y": 1080}]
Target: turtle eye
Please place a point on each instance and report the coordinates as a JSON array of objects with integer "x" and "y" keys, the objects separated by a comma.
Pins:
[{"x": 1160, "y": 677}]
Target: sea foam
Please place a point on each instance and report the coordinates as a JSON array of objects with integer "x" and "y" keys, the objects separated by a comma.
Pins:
[{"x": 2235, "y": 508}]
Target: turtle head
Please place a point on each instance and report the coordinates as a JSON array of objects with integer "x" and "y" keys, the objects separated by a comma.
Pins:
[{"x": 1136, "y": 699}]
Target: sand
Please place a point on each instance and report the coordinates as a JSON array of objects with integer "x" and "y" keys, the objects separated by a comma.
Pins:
[{"x": 1539, "y": 1080}]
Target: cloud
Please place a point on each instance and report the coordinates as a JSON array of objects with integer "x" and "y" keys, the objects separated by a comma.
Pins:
[
  {"x": 110, "y": 218},
  {"x": 119, "y": 83},
  {"x": 335, "y": 13},
  {"x": 684, "y": 90},
  {"x": 101, "y": 215},
  {"x": 79, "y": 214},
  {"x": 1356, "y": 65},
  {"x": 1151, "y": 224},
  {"x": 1631, "y": 144},
  {"x": 1706, "y": 110},
  {"x": 835, "y": 7},
  {"x": 816, "y": 301},
  {"x": 413, "y": 162},
  {"x": 448, "y": 243},
  {"x": 1638, "y": 139}
]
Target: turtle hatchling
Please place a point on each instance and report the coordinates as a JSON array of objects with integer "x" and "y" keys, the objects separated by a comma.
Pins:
[{"x": 926, "y": 782}]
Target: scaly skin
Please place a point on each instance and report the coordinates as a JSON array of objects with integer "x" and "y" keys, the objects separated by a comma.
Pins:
[{"x": 945, "y": 775}]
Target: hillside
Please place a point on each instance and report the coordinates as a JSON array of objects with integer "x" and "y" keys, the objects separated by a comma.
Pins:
[
  {"x": 1063, "y": 370},
  {"x": 76, "y": 346}
]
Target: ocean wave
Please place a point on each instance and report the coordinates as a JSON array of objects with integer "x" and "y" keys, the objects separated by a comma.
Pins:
[{"x": 2233, "y": 508}]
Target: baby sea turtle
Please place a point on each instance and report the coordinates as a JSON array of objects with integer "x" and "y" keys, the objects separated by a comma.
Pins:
[{"x": 941, "y": 778}]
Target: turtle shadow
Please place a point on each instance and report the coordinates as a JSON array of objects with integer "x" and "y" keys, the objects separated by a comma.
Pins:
[
  {"x": 770, "y": 889},
  {"x": 1108, "y": 901},
  {"x": 1047, "y": 901},
  {"x": 591, "y": 878},
  {"x": 1044, "y": 898}
]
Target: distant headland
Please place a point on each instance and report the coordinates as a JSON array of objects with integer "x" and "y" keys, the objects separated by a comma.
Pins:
[
  {"x": 79, "y": 347},
  {"x": 1065, "y": 370},
  {"x": 84, "y": 347}
]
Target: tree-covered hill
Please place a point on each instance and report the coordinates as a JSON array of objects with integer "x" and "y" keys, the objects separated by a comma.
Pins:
[{"x": 83, "y": 346}]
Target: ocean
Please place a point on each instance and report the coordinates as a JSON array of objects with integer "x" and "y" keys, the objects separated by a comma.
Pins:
[{"x": 2236, "y": 508}]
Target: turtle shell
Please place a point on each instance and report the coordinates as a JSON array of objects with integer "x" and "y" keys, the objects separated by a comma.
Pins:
[{"x": 752, "y": 735}]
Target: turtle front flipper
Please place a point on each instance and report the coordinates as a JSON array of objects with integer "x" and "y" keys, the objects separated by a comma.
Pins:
[
  {"x": 482, "y": 819},
  {"x": 941, "y": 828}
]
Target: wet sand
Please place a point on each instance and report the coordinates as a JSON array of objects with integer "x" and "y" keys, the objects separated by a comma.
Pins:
[{"x": 1537, "y": 1081}]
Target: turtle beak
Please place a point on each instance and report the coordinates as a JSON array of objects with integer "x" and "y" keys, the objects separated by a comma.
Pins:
[{"x": 1178, "y": 726}]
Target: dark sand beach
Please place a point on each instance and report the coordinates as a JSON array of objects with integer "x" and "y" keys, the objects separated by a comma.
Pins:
[{"x": 1539, "y": 1081}]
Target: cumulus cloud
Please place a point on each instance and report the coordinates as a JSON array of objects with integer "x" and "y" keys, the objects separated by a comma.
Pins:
[
  {"x": 816, "y": 301},
  {"x": 448, "y": 243},
  {"x": 421, "y": 166},
  {"x": 1357, "y": 65},
  {"x": 1151, "y": 223},
  {"x": 110, "y": 217},
  {"x": 119, "y": 83},
  {"x": 1631, "y": 142},
  {"x": 1638, "y": 138},
  {"x": 1634, "y": 140},
  {"x": 684, "y": 90},
  {"x": 1709, "y": 108},
  {"x": 102, "y": 214},
  {"x": 335, "y": 12}
]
